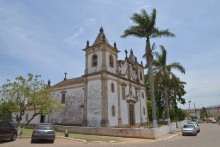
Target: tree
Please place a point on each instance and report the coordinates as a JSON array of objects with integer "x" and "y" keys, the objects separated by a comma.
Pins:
[
  {"x": 203, "y": 113},
  {"x": 145, "y": 27},
  {"x": 29, "y": 94},
  {"x": 6, "y": 110},
  {"x": 164, "y": 73},
  {"x": 176, "y": 92}
]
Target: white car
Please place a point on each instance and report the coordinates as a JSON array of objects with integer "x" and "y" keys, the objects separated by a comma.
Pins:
[
  {"x": 189, "y": 129},
  {"x": 196, "y": 125},
  {"x": 214, "y": 121}
]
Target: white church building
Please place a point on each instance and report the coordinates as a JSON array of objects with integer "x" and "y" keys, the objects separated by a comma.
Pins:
[{"x": 111, "y": 93}]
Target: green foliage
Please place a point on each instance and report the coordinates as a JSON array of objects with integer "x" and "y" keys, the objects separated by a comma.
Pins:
[
  {"x": 6, "y": 109},
  {"x": 149, "y": 107},
  {"x": 180, "y": 115},
  {"x": 29, "y": 93},
  {"x": 176, "y": 92},
  {"x": 175, "y": 114},
  {"x": 203, "y": 113}
]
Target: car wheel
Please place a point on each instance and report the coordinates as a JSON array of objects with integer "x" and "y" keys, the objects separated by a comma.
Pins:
[
  {"x": 14, "y": 137},
  {"x": 182, "y": 134},
  {"x": 33, "y": 140},
  {"x": 52, "y": 141}
]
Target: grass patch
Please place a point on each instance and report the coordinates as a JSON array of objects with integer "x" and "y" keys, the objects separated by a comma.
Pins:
[
  {"x": 26, "y": 132},
  {"x": 89, "y": 138}
]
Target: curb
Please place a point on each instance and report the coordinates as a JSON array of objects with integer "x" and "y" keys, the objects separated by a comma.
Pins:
[
  {"x": 67, "y": 138},
  {"x": 79, "y": 140},
  {"x": 169, "y": 137}
]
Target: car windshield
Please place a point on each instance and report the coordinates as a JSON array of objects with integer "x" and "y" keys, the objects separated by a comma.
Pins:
[
  {"x": 44, "y": 127},
  {"x": 188, "y": 126}
]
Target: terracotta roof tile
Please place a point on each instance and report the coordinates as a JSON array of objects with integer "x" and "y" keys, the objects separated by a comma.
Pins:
[{"x": 70, "y": 82}]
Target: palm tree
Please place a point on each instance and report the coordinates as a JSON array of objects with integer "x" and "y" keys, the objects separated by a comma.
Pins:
[
  {"x": 163, "y": 73},
  {"x": 145, "y": 27}
]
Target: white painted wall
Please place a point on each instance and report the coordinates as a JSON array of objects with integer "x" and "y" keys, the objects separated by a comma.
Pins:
[
  {"x": 112, "y": 101},
  {"x": 72, "y": 112},
  {"x": 30, "y": 113},
  {"x": 122, "y": 70},
  {"x": 124, "y": 105},
  {"x": 143, "y": 105},
  {"x": 137, "y": 113},
  {"x": 94, "y": 103},
  {"x": 98, "y": 67},
  {"x": 110, "y": 69}
]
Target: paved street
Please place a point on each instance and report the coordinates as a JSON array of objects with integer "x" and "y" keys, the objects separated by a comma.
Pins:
[{"x": 208, "y": 137}]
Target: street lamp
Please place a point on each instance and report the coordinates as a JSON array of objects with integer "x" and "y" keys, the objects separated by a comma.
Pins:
[{"x": 189, "y": 110}]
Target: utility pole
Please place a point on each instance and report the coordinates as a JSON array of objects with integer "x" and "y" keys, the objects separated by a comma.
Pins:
[
  {"x": 189, "y": 110},
  {"x": 195, "y": 109}
]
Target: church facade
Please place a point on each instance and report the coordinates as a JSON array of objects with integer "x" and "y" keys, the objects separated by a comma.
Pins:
[{"x": 111, "y": 93}]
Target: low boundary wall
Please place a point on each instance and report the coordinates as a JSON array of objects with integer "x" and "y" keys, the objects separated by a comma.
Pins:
[{"x": 149, "y": 133}]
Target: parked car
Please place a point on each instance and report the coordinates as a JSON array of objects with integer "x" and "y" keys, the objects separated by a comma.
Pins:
[
  {"x": 7, "y": 131},
  {"x": 43, "y": 131},
  {"x": 189, "y": 129},
  {"x": 214, "y": 121},
  {"x": 209, "y": 121},
  {"x": 196, "y": 125}
]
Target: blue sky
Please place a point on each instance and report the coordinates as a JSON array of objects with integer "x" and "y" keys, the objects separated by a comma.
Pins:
[{"x": 46, "y": 37}]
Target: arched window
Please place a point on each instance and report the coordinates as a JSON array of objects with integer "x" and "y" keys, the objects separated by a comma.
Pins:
[
  {"x": 94, "y": 60},
  {"x": 141, "y": 76},
  {"x": 63, "y": 99},
  {"x": 136, "y": 92},
  {"x": 142, "y": 95},
  {"x": 111, "y": 61},
  {"x": 123, "y": 92},
  {"x": 113, "y": 110},
  {"x": 112, "y": 87}
]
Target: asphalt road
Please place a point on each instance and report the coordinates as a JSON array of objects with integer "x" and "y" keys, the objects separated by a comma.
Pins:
[{"x": 208, "y": 137}]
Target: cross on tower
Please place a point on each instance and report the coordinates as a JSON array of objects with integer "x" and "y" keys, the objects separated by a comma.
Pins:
[
  {"x": 126, "y": 52},
  {"x": 65, "y": 75}
]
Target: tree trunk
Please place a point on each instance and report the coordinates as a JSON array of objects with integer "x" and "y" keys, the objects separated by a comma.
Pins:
[
  {"x": 19, "y": 127},
  {"x": 167, "y": 103},
  {"x": 151, "y": 81}
]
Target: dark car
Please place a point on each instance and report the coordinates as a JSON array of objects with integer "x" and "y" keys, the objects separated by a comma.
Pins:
[
  {"x": 7, "y": 131},
  {"x": 43, "y": 131}
]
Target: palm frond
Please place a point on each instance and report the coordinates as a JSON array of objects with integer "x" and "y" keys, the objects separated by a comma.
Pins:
[
  {"x": 133, "y": 31},
  {"x": 163, "y": 55},
  {"x": 161, "y": 33},
  {"x": 152, "y": 23},
  {"x": 177, "y": 66}
]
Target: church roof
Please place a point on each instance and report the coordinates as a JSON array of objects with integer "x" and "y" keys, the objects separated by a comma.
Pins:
[
  {"x": 70, "y": 82},
  {"x": 101, "y": 37}
]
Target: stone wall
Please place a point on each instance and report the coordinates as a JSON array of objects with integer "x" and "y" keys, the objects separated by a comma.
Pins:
[
  {"x": 181, "y": 123},
  {"x": 150, "y": 133}
]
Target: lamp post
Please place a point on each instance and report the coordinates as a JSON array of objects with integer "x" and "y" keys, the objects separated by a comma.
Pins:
[
  {"x": 195, "y": 109},
  {"x": 189, "y": 110}
]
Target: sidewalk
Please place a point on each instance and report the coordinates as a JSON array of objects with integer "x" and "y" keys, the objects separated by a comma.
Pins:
[{"x": 168, "y": 136}]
